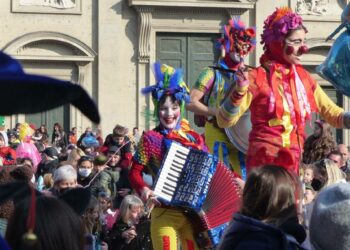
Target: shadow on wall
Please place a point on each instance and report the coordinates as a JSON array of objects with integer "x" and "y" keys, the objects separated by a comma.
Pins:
[{"x": 131, "y": 28}]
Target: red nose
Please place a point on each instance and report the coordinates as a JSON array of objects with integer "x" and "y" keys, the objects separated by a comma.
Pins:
[{"x": 303, "y": 50}]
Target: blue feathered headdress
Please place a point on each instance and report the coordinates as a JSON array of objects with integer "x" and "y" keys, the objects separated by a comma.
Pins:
[{"x": 169, "y": 81}]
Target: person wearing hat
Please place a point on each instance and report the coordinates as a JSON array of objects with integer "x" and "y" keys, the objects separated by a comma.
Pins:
[
  {"x": 47, "y": 166},
  {"x": 120, "y": 139},
  {"x": 13, "y": 140},
  {"x": 168, "y": 224},
  {"x": 281, "y": 96},
  {"x": 330, "y": 223}
]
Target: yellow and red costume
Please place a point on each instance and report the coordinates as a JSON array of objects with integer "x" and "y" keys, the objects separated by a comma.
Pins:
[
  {"x": 280, "y": 131},
  {"x": 281, "y": 98},
  {"x": 169, "y": 224}
]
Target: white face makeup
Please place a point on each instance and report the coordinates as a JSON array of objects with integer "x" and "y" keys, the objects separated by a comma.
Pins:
[
  {"x": 169, "y": 113},
  {"x": 296, "y": 39}
]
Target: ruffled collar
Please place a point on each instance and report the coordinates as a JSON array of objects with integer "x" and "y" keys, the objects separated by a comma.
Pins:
[{"x": 184, "y": 135}]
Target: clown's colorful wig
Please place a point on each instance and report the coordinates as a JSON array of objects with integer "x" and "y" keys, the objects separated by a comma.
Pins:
[
  {"x": 279, "y": 23},
  {"x": 169, "y": 82},
  {"x": 237, "y": 38}
]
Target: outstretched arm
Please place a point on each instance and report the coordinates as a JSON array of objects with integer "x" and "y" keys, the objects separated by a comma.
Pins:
[{"x": 236, "y": 103}]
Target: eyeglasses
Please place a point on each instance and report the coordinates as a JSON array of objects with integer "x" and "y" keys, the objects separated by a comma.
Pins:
[{"x": 296, "y": 42}]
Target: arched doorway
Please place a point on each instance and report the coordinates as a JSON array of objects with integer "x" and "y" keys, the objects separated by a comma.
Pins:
[{"x": 60, "y": 56}]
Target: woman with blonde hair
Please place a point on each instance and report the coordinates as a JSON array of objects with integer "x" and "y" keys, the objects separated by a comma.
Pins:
[
  {"x": 124, "y": 235},
  {"x": 74, "y": 157},
  {"x": 326, "y": 173},
  {"x": 129, "y": 203}
]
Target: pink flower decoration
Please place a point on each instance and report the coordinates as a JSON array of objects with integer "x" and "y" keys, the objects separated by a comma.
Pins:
[{"x": 277, "y": 25}]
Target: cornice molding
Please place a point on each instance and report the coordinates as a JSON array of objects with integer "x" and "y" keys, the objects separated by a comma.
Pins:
[
  {"x": 146, "y": 8},
  {"x": 232, "y": 13},
  {"x": 241, "y": 4}
]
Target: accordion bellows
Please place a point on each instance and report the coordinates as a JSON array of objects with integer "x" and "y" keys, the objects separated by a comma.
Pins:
[{"x": 196, "y": 180}]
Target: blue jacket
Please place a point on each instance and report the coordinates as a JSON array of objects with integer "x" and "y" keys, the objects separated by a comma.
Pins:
[{"x": 248, "y": 233}]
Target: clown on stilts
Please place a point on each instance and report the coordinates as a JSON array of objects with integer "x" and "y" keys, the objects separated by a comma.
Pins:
[
  {"x": 214, "y": 84},
  {"x": 281, "y": 96}
]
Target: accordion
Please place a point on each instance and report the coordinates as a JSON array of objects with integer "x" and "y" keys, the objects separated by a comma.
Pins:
[{"x": 196, "y": 180}]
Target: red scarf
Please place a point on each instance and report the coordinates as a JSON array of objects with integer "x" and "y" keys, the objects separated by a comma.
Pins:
[{"x": 280, "y": 72}]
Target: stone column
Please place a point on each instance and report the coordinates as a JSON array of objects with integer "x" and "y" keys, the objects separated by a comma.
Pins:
[{"x": 143, "y": 65}]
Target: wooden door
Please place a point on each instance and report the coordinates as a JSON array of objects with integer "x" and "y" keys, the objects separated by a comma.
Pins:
[{"x": 191, "y": 52}]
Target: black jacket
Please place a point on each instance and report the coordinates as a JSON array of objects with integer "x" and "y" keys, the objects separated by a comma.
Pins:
[
  {"x": 141, "y": 242},
  {"x": 248, "y": 233}
]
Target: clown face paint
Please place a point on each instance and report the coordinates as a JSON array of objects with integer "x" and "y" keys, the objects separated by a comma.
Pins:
[
  {"x": 296, "y": 39},
  {"x": 169, "y": 113}
]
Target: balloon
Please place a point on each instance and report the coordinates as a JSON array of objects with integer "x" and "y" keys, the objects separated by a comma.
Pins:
[{"x": 336, "y": 67}]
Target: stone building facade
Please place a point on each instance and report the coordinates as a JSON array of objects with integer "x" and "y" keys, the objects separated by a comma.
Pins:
[{"x": 108, "y": 46}]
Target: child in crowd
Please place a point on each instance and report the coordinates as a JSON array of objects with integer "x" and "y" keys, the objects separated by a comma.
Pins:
[
  {"x": 309, "y": 194},
  {"x": 93, "y": 227},
  {"x": 123, "y": 234},
  {"x": 64, "y": 177},
  {"x": 119, "y": 139},
  {"x": 108, "y": 214},
  {"x": 308, "y": 174},
  {"x": 109, "y": 177},
  {"x": 7, "y": 154}
]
